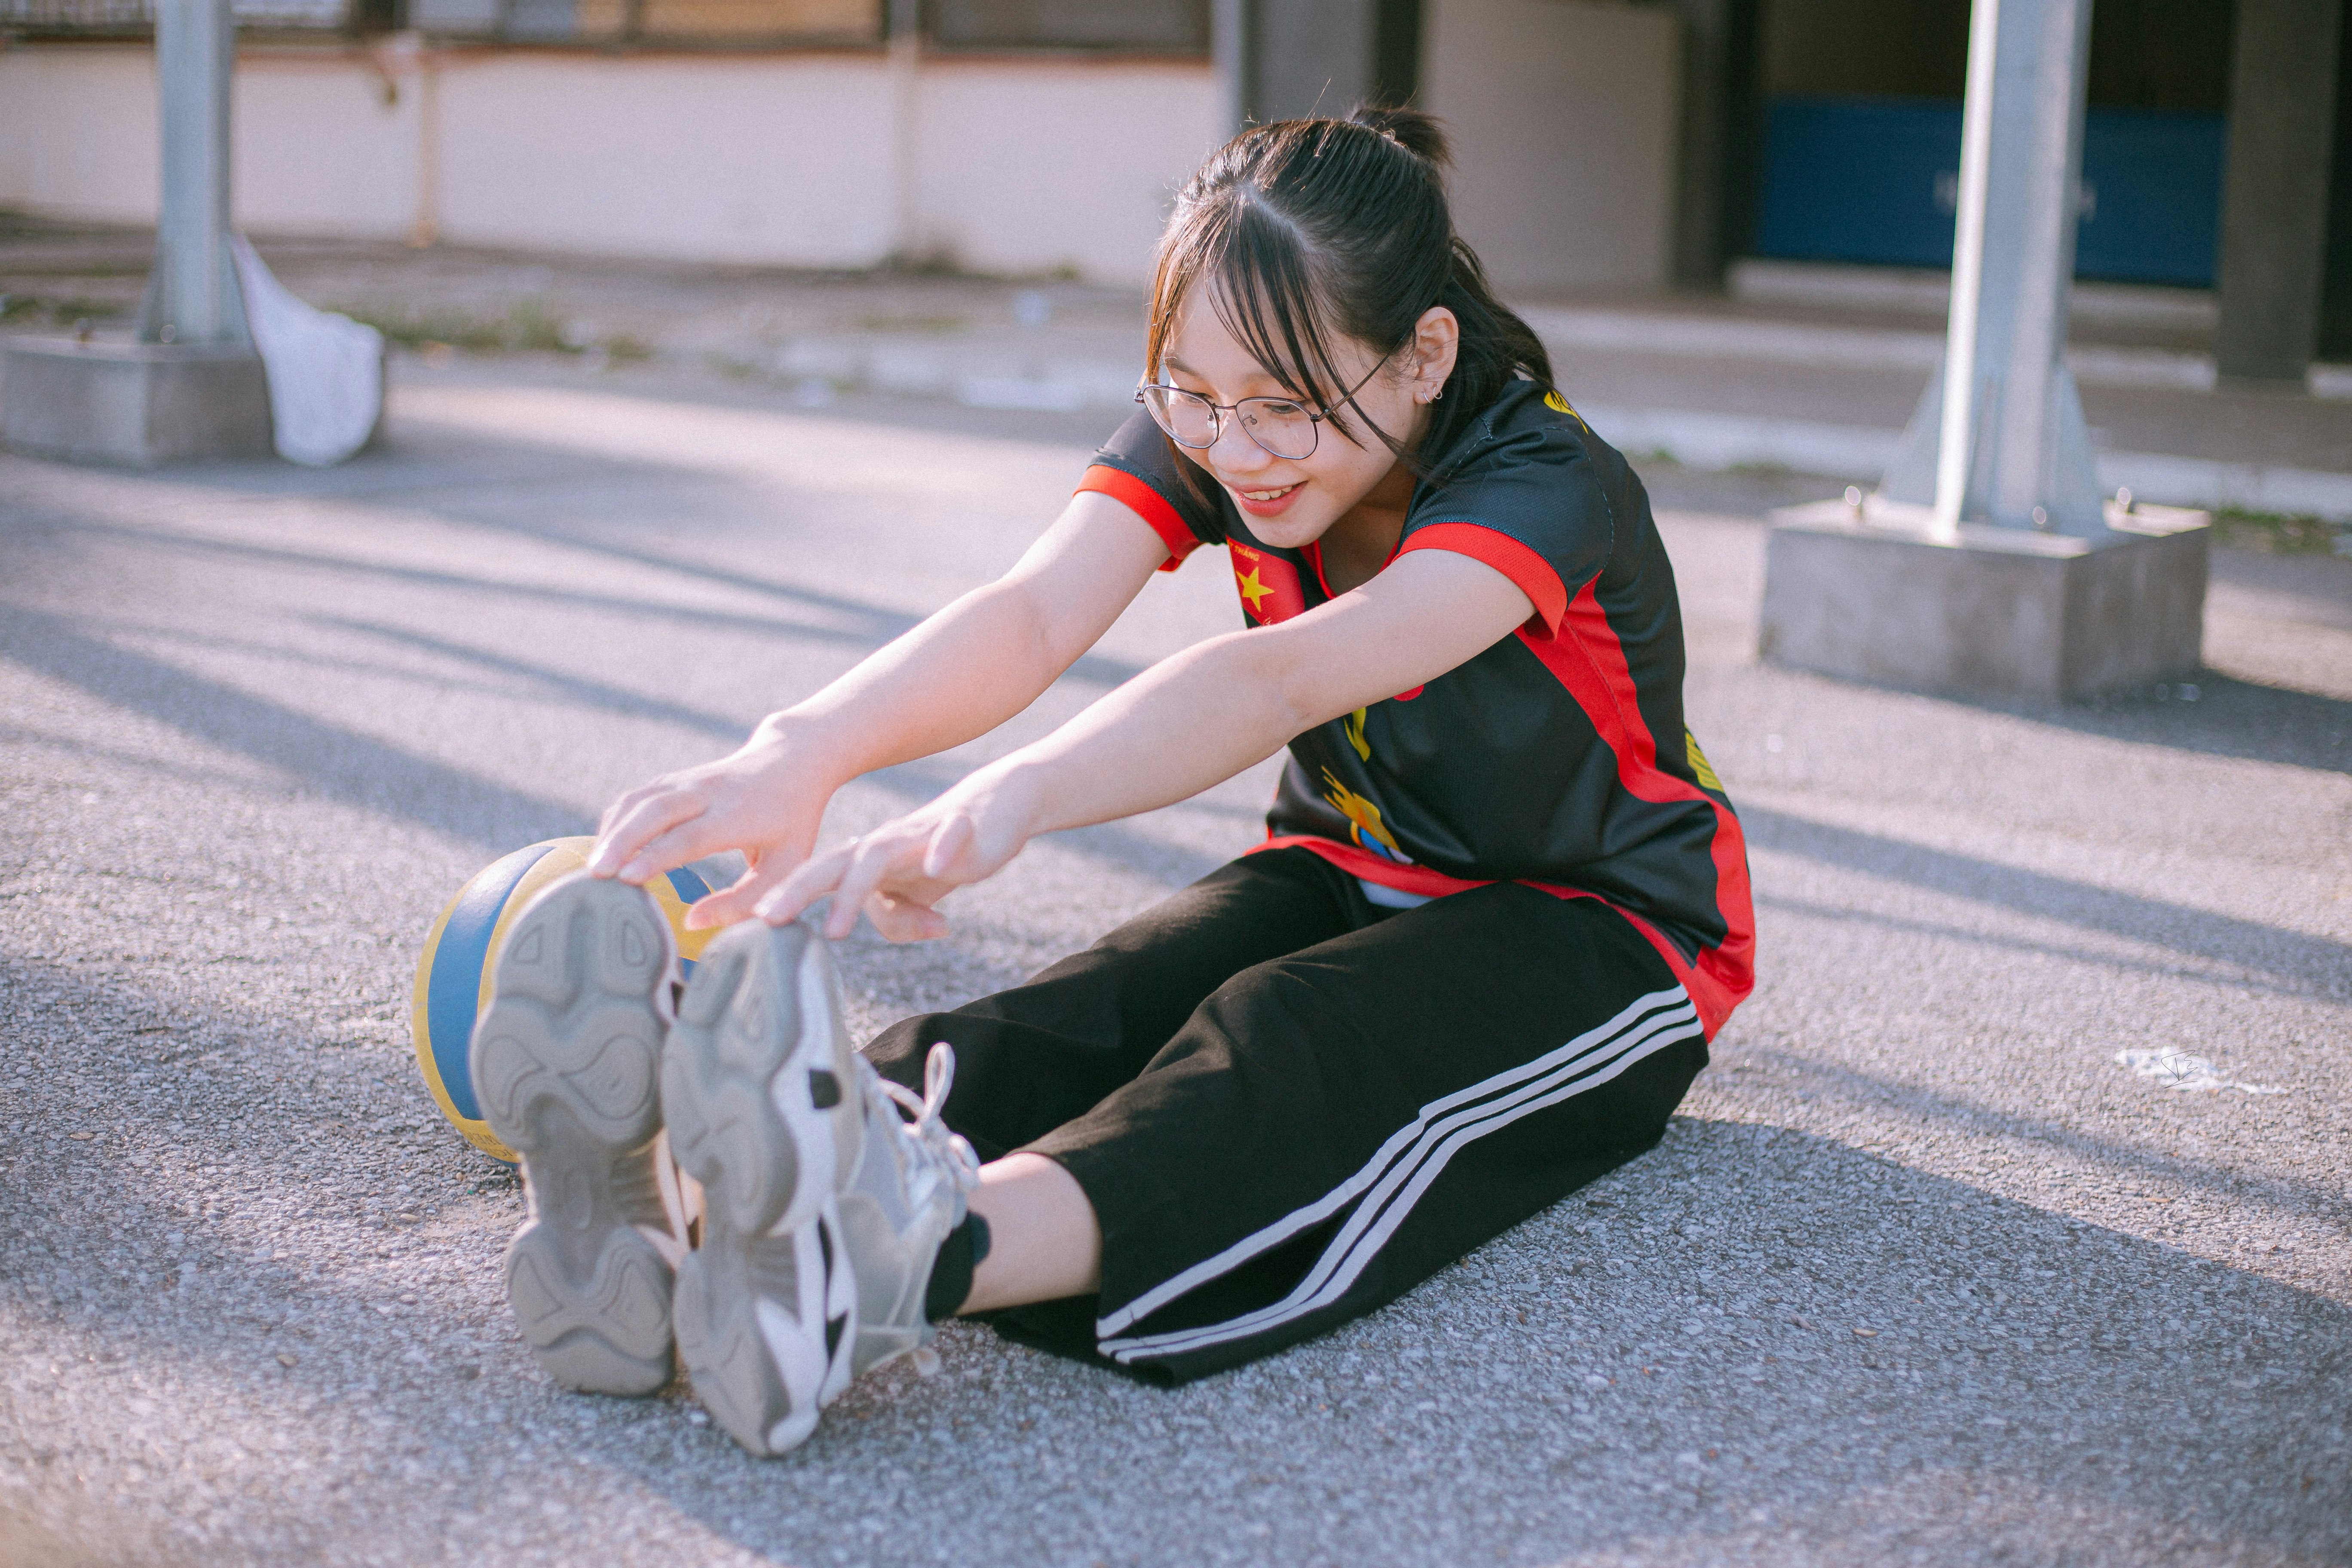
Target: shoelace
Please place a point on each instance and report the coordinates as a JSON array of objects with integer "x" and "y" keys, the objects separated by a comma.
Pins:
[{"x": 950, "y": 1150}]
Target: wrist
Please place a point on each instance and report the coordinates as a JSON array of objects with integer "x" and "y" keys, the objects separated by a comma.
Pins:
[
  {"x": 1008, "y": 798},
  {"x": 816, "y": 750}
]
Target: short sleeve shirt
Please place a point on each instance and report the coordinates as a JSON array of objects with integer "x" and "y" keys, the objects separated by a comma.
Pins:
[{"x": 1559, "y": 756}]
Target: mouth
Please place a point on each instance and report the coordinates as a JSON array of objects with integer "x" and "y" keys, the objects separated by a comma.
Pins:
[{"x": 1266, "y": 502}]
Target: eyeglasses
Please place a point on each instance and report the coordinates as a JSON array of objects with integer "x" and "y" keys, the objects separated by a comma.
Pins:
[{"x": 1283, "y": 427}]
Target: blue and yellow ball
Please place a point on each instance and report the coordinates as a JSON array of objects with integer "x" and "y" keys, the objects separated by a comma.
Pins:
[{"x": 453, "y": 974}]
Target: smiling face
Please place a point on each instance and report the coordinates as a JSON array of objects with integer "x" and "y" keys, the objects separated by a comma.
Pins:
[{"x": 1292, "y": 501}]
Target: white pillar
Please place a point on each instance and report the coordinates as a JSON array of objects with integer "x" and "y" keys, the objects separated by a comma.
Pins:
[
  {"x": 2000, "y": 436},
  {"x": 193, "y": 295}
]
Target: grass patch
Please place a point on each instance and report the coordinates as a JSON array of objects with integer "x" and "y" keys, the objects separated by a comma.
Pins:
[
  {"x": 528, "y": 326},
  {"x": 123, "y": 267},
  {"x": 622, "y": 348},
  {"x": 911, "y": 323},
  {"x": 2278, "y": 533},
  {"x": 29, "y": 308}
]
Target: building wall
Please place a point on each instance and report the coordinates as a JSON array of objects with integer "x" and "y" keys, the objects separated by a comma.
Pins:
[
  {"x": 784, "y": 159},
  {"x": 329, "y": 151},
  {"x": 778, "y": 159},
  {"x": 1036, "y": 163},
  {"x": 78, "y": 139},
  {"x": 1564, "y": 119}
]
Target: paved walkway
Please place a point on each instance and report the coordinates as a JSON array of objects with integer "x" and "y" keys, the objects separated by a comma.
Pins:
[
  {"x": 1922, "y": 1274},
  {"x": 1812, "y": 369}
]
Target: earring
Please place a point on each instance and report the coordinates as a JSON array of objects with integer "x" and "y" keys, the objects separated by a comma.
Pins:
[{"x": 1438, "y": 393}]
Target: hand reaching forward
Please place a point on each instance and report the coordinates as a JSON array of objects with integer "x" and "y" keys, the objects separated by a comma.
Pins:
[
  {"x": 762, "y": 800},
  {"x": 899, "y": 871}
]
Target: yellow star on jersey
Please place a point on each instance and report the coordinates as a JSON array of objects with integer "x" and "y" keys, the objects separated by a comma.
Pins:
[{"x": 1252, "y": 589}]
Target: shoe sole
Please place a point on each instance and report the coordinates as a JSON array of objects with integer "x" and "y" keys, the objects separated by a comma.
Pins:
[
  {"x": 754, "y": 1085},
  {"x": 565, "y": 1063}
]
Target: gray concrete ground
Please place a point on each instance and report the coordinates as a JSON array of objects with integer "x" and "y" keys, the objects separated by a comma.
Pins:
[{"x": 1920, "y": 1275}]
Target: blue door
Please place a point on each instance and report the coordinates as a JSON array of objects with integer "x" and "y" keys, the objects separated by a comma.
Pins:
[{"x": 1875, "y": 180}]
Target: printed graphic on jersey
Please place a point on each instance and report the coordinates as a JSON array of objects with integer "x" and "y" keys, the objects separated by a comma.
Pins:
[
  {"x": 1558, "y": 405},
  {"x": 1363, "y": 820},
  {"x": 1700, "y": 768},
  {"x": 1355, "y": 726},
  {"x": 1267, "y": 583}
]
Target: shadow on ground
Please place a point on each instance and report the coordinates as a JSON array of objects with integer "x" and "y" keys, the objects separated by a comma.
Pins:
[
  {"x": 2285, "y": 960},
  {"x": 1772, "y": 1348}
]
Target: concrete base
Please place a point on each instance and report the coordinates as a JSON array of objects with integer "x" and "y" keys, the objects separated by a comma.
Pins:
[
  {"x": 1869, "y": 593},
  {"x": 108, "y": 401}
]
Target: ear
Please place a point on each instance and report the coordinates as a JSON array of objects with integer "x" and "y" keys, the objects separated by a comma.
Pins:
[{"x": 1437, "y": 342}]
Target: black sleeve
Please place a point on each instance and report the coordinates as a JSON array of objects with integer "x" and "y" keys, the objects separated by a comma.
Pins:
[
  {"x": 1527, "y": 502},
  {"x": 1186, "y": 498}
]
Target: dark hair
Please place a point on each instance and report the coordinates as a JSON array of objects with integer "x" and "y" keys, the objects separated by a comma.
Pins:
[{"x": 1308, "y": 227}]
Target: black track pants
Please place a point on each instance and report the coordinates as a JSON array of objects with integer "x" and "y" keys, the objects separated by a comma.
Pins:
[{"x": 1289, "y": 1106}]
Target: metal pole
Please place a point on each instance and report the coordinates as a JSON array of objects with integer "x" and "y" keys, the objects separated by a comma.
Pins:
[
  {"x": 193, "y": 295},
  {"x": 409, "y": 53},
  {"x": 2044, "y": 213},
  {"x": 904, "y": 19},
  {"x": 1229, "y": 51},
  {"x": 1959, "y": 435}
]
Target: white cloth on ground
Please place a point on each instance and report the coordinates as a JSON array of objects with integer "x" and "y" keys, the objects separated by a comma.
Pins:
[{"x": 325, "y": 370}]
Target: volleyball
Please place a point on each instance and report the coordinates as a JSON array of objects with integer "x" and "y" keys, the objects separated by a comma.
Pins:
[{"x": 453, "y": 974}]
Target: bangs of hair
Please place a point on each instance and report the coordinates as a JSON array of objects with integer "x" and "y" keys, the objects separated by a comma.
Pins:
[
  {"x": 1262, "y": 289},
  {"x": 1312, "y": 234}
]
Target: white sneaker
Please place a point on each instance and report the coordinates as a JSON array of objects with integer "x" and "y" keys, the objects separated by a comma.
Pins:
[
  {"x": 564, "y": 1062},
  {"x": 909, "y": 1191},
  {"x": 759, "y": 1089}
]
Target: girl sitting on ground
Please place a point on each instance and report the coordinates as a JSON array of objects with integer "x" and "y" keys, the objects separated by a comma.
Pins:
[{"x": 1501, "y": 908}]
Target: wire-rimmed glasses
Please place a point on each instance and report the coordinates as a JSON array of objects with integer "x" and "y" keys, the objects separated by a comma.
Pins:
[{"x": 1284, "y": 426}]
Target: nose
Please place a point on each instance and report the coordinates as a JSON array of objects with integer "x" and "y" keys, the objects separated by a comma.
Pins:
[{"x": 1233, "y": 450}]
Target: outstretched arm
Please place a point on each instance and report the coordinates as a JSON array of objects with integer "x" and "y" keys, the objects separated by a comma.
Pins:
[
  {"x": 1192, "y": 721},
  {"x": 962, "y": 672}
]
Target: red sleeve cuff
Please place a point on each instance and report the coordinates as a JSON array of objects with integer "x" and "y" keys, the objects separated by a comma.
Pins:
[
  {"x": 1530, "y": 572},
  {"x": 1146, "y": 503}
]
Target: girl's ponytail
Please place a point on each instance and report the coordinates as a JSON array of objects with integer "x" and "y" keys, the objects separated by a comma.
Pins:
[{"x": 1417, "y": 132}]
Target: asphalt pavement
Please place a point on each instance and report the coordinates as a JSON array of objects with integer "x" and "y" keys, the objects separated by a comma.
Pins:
[{"x": 1922, "y": 1273}]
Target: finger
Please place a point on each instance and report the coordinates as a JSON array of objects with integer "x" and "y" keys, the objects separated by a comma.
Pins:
[
  {"x": 619, "y": 804},
  {"x": 622, "y": 802},
  {"x": 629, "y": 800},
  {"x": 808, "y": 882},
  {"x": 948, "y": 842},
  {"x": 698, "y": 836},
  {"x": 738, "y": 899},
  {"x": 869, "y": 862},
  {"x": 903, "y": 919},
  {"x": 655, "y": 815},
  {"x": 652, "y": 791}
]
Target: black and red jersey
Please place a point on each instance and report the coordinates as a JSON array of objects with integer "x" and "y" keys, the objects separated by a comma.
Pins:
[{"x": 1559, "y": 757}]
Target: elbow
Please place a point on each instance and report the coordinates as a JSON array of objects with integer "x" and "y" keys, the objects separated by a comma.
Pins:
[
  {"x": 1287, "y": 691},
  {"x": 1299, "y": 709},
  {"x": 1025, "y": 624}
]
